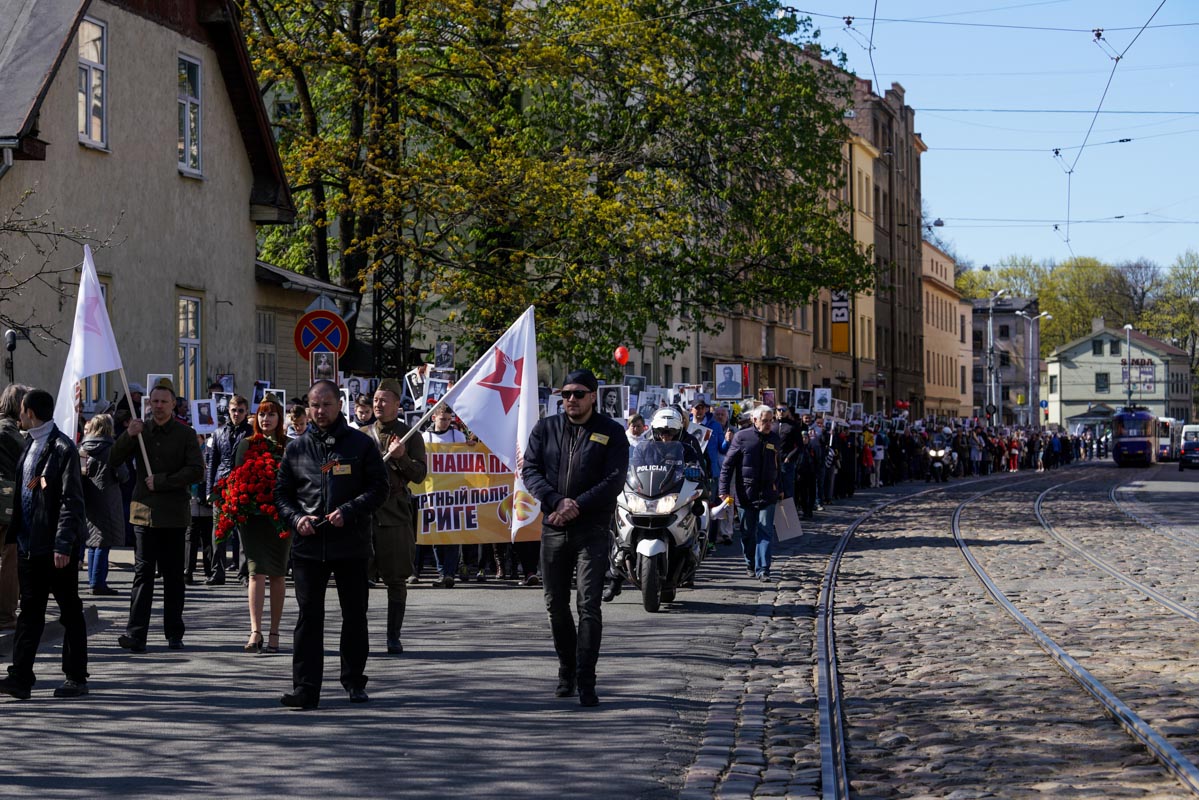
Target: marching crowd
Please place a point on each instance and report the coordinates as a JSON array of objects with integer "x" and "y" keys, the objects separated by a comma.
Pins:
[{"x": 308, "y": 495}]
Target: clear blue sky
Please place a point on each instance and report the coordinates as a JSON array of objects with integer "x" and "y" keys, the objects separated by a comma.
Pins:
[{"x": 945, "y": 62}]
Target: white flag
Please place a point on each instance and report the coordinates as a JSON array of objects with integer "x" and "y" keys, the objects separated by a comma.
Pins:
[
  {"x": 93, "y": 347},
  {"x": 497, "y": 399}
]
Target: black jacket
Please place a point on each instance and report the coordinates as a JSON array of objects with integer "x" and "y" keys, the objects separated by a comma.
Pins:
[
  {"x": 224, "y": 446},
  {"x": 58, "y": 521},
  {"x": 592, "y": 475},
  {"x": 752, "y": 468},
  {"x": 326, "y": 470}
]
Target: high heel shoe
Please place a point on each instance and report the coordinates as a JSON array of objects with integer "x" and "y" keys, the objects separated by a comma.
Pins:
[
  {"x": 255, "y": 643},
  {"x": 273, "y": 642}
]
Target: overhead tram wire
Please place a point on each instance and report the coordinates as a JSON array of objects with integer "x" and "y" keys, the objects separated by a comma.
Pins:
[
  {"x": 1043, "y": 150},
  {"x": 1098, "y": 33},
  {"x": 1049, "y": 29}
]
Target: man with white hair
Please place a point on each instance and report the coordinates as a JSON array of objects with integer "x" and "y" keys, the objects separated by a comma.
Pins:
[{"x": 752, "y": 469}]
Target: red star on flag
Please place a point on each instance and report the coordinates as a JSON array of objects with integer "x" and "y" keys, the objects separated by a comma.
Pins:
[{"x": 505, "y": 380}]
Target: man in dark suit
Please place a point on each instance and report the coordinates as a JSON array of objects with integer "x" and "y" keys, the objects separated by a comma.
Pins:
[{"x": 48, "y": 524}]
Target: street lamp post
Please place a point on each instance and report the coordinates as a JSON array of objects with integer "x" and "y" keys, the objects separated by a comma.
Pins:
[
  {"x": 1128, "y": 359},
  {"x": 992, "y": 394},
  {"x": 1032, "y": 359}
]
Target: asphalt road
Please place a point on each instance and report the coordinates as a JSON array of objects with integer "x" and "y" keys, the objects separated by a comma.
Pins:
[{"x": 468, "y": 710}]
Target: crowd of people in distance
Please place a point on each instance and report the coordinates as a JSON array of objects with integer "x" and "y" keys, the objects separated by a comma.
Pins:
[{"x": 307, "y": 494}]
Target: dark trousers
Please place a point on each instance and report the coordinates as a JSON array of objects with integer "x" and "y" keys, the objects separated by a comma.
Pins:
[
  {"x": 220, "y": 551},
  {"x": 199, "y": 541},
  {"x": 308, "y": 658},
  {"x": 155, "y": 550},
  {"x": 581, "y": 552},
  {"x": 39, "y": 579},
  {"x": 805, "y": 491}
]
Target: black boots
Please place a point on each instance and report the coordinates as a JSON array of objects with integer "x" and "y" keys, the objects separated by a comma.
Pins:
[{"x": 395, "y": 621}]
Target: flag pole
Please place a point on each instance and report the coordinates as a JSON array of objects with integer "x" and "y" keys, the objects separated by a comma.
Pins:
[
  {"x": 420, "y": 422},
  {"x": 134, "y": 413}
]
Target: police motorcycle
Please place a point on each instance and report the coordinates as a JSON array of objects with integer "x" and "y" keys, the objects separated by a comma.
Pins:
[
  {"x": 662, "y": 514},
  {"x": 939, "y": 455}
]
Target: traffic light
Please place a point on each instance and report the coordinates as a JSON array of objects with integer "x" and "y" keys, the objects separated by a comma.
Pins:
[{"x": 1045, "y": 411}]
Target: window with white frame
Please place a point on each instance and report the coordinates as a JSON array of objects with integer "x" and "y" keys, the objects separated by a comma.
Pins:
[
  {"x": 190, "y": 364},
  {"x": 189, "y": 103},
  {"x": 93, "y": 82}
]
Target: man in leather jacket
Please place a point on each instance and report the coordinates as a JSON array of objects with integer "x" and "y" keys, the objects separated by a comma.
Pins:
[
  {"x": 331, "y": 480},
  {"x": 575, "y": 466},
  {"x": 220, "y": 464},
  {"x": 751, "y": 472},
  {"x": 48, "y": 525}
]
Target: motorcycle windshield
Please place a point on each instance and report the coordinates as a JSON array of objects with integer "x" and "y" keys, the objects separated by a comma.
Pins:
[{"x": 655, "y": 468}]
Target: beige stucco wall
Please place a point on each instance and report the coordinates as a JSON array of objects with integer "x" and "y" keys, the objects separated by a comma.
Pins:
[
  {"x": 942, "y": 334},
  {"x": 966, "y": 358},
  {"x": 173, "y": 234}
]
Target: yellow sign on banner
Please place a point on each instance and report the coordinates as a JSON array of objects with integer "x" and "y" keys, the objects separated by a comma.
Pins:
[{"x": 467, "y": 498}]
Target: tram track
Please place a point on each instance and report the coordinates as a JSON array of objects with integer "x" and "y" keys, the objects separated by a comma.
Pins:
[
  {"x": 836, "y": 753},
  {"x": 1136, "y": 726},
  {"x": 1102, "y": 564}
]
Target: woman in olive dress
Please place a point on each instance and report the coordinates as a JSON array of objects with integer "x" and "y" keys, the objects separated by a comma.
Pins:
[{"x": 266, "y": 552}]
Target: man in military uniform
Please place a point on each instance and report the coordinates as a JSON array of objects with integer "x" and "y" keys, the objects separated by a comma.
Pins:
[{"x": 395, "y": 520}]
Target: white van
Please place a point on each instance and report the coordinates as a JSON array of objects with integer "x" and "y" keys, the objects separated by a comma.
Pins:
[{"x": 1188, "y": 456}]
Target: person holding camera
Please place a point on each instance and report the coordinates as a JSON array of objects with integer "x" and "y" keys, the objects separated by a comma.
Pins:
[{"x": 331, "y": 481}]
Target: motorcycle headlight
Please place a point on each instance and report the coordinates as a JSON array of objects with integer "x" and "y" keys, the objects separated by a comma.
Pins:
[
  {"x": 635, "y": 504},
  {"x": 940, "y": 453},
  {"x": 666, "y": 504}
]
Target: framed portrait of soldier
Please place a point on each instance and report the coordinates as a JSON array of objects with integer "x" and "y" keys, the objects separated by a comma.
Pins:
[
  {"x": 146, "y": 407},
  {"x": 220, "y": 402},
  {"x": 260, "y": 390},
  {"x": 228, "y": 382},
  {"x": 822, "y": 400},
  {"x": 321, "y": 367},
  {"x": 357, "y": 386},
  {"x": 803, "y": 401},
  {"x": 443, "y": 355},
  {"x": 204, "y": 415},
  {"x": 840, "y": 410},
  {"x": 613, "y": 401},
  {"x": 435, "y": 389},
  {"x": 728, "y": 382},
  {"x": 636, "y": 385}
]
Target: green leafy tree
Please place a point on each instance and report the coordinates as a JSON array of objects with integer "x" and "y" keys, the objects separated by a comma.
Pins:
[{"x": 617, "y": 165}]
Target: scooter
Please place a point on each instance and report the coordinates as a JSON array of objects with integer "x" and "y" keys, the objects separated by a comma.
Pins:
[{"x": 661, "y": 522}]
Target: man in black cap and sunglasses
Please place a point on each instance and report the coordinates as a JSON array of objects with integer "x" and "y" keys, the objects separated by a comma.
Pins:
[{"x": 575, "y": 466}]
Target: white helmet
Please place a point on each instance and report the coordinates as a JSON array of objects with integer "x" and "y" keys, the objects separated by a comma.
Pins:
[{"x": 668, "y": 419}]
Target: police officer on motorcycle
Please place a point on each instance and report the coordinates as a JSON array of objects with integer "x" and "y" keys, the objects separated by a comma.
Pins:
[{"x": 667, "y": 426}]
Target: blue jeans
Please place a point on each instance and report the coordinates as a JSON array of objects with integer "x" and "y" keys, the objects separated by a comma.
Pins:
[
  {"x": 446, "y": 557},
  {"x": 757, "y": 534},
  {"x": 97, "y": 566}
]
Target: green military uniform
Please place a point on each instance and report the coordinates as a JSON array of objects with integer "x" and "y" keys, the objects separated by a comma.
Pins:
[{"x": 395, "y": 523}]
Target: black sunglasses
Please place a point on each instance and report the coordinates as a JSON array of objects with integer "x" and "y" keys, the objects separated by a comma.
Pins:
[{"x": 574, "y": 394}]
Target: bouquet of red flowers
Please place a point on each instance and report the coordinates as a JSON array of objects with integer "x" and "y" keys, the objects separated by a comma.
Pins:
[{"x": 249, "y": 489}]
